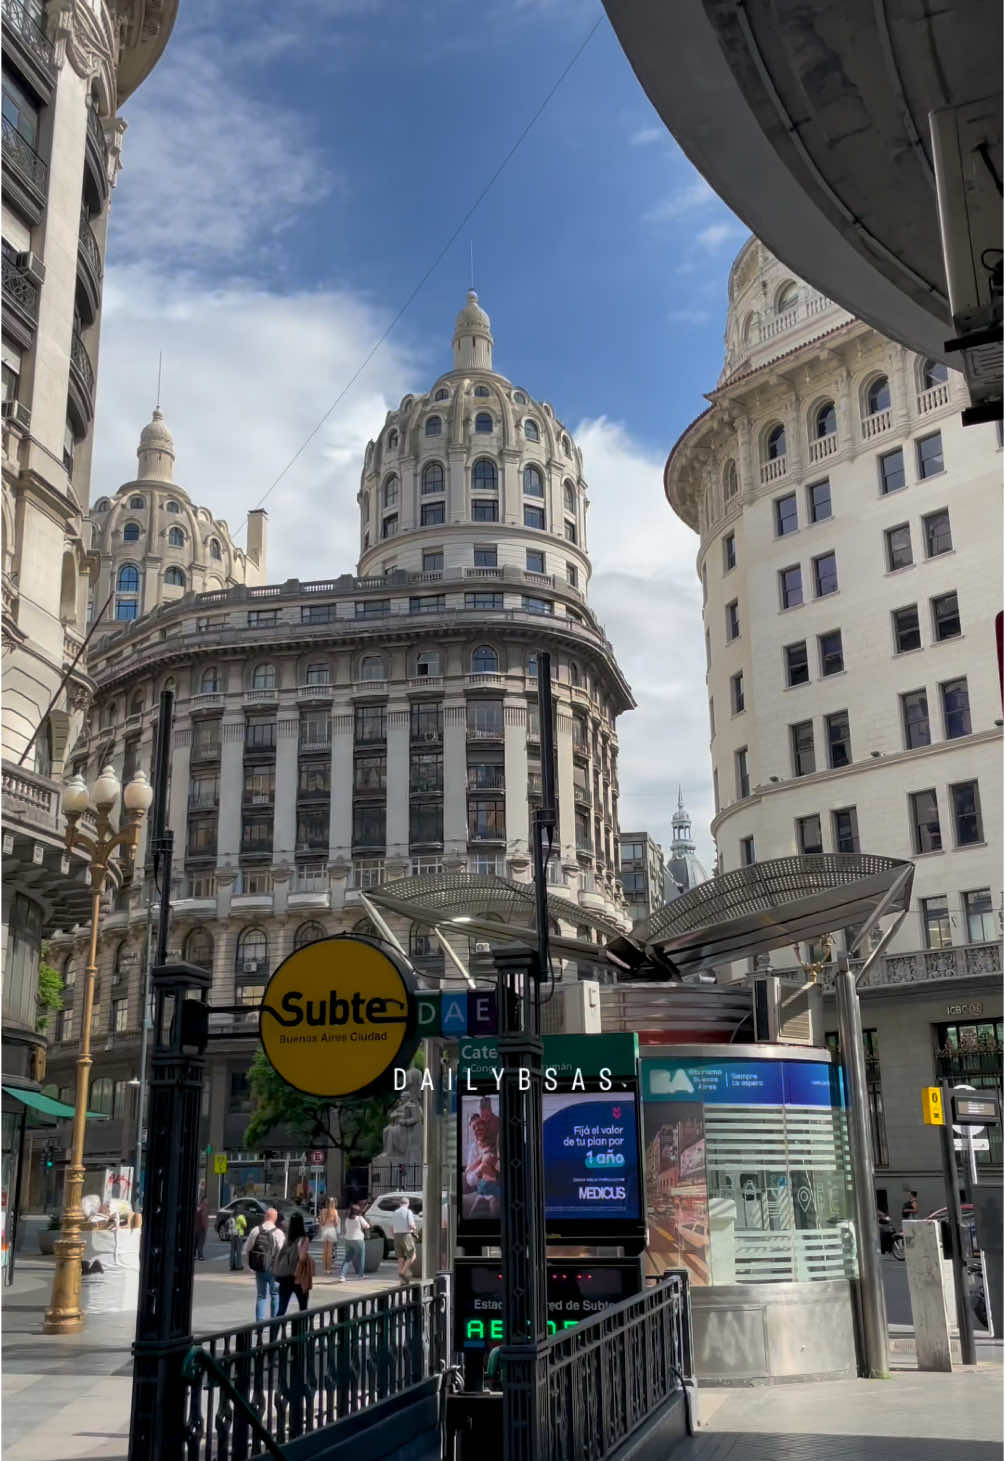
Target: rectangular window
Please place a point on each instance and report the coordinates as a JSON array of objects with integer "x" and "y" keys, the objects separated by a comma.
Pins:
[
  {"x": 938, "y": 534},
  {"x": 203, "y": 791},
  {"x": 318, "y": 675},
  {"x": 259, "y": 788},
  {"x": 119, "y": 1021},
  {"x": 825, "y": 574},
  {"x": 790, "y": 583},
  {"x": 427, "y": 722},
  {"x": 372, "y": 608},
  {"x": 728, "y": 552},
  {"x": 570, "y": 531},
  {"x": 256, "y": 834},
  {"x": 485, "y": 719},
  {"x": 956, "y": 708},
  {"x": 736, "y": 692},
  {"x": 930, "y": 455},
  {"x": 314, "y": 780},
  {"x": 425, "y": 773},
  {"x": 487, "y": 821},
  {"x": 803, "y": 757},
  {"x": 898, "y": 547},
  {"x": 369, "y": 826},
  {"x": 797, "y": 666},
  {"x": 260, "y": 735},
  {"x": 819, "y": 495},
  {"x": 891, "y": 471},
  {"x": 838, "y": 738},
  {"x": 926, "y": 833},
  {"x": 747, "y": 852},
  {"x": 483, "y": 601},
  {"x": 936, "y": 923},
  {"x": 533, "y": 605},
  {"x": 845, "y": 823},
  {"x": 786, "y": 515},
  {"x": 906, "y": 629},
  {"x": 263, "y": 618},
  {"x": 742, "y": 774},
  {"x": 831, "y": 653},
  {"x": 982, "y": 925},
  {"x": 535, "y": 561},
  {"x": 732, "y": 620},
  {"x": 370, "y": 775},
  {"x": 425, "y": 824},
  {"x": 809, "y": 838},
  {"x": 201, "y": 836},
  {"x": 428, "y": 604},
  {"x": 485, "y": 510},
  {"x": 312, "y": 827},
  {"x": 389, "y": 527},
  {"x": 491, "y": 775},
  {"x": 572, "y": 575},
  {"x": 486, "y": 555},
  {"x": 318, "y": 613},
  {"x": 914, "y": 713},
  {"x": 432, "y": 514},
  {"x": 370, "y": 723},
  {"x": 946, "y": 617},
  {"x": 315, "y": 730},
  {"x": 967, "y": 813},
  {"x": 432, "y": 560},
  {"x": 533, "y": 517}
]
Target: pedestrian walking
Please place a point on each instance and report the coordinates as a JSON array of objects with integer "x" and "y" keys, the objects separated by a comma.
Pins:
[
  {"x": 329, "y": 1235},
  {"x": 354, "y": 1230},
  {"x": 261, "y": 1249},
  {"x": 294, "y": 1268},
  {"x": 201, "y": 1227},
  {"x": 236, "y": 1231},
  {"x": 910, "y": 1207},
  {"x": 404, "y": 1227}
]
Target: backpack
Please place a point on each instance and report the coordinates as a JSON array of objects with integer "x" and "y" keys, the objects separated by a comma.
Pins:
[
  {"x": 263, "y": 1251},
  {"x": 285, "y": 1263}
]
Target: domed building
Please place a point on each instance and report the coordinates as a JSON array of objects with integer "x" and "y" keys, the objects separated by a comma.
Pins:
[
  {"x": 684, "y": 869},
  {"x": 334, "y": 735}
]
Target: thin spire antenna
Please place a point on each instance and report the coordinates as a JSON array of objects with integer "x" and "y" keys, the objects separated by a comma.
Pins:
[
  {"x": 471, "y": 261},
  {"x": 160, "y": 364}
]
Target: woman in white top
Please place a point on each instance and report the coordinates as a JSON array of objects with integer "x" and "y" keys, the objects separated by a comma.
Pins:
[
  {"x": 354, "y": 1230},
  {"x": 329, "y": 1234}
]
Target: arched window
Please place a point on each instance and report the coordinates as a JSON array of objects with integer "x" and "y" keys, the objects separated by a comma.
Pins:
[
  {"x": 176, "y": 538},
  {"x": 825, "y": 422},
  {"x": 533, "y": 482},
  {"x": 210, "y": 682},
  {"x": 128, "y": 581},
  {"x": 481, "y": 390},
  {"x": 531, "y": 430},
  {"x": 174, "y": 578},
  {"x": 318, "y": 674},
  {"x": 748, "y": 328},
  {"x": 131, "y": 533},
  {"x": 484, "y": 477},
  {"x": 569, "y": 497},
  {"x": 730, "y": 483},
  {"x": 532, "y": 666},
  {"x": 432, "y": 478},
  {"x": 199, "y": 948},
  {"x": 102, "y": 505},
  {"x": 877, "y": 397},
  {"x": 172, "y": 507},
  {"x": 788, "y": 297},
  {"x": 392, "y": 441},
  {"x": 574, "y": 676},
  {"x": 136, "y": 704},
  {"x": 307, "y": 933},
  {"x": 434, "y": 426},
  {"x": 264, "y": 677},
  {"x": 519, "y": 399},
  {"x": 442, "y": 395},
  {"x": 566, "y": 446},
  {"x": 215, "y": 550},
  {"x": 484, "y": 661},
  {"x": 483, "y": 423},
  {"x": 774, "y": 443},
  {"x": 371, "y": 667},
  {"x": 252, "y": 952},
  {"x": 390, "y": 495},
  {"x": 933, "y": 374},
  {"x": 136, "y": 503}
]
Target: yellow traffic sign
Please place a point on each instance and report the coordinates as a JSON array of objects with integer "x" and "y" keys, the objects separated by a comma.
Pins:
[
  {"x": 931, "y": 1106},
  {"x": 220, "y": 1165},
  {"x": 338, "y": 1015}
]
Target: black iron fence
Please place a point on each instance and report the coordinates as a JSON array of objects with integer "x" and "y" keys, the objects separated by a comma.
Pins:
[
  {"x": 611, "y": 1374},
  {"x": 252, "y": 1389}
]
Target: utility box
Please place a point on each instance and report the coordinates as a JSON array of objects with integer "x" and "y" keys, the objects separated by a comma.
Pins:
[{"x": 923, "y": 1256}]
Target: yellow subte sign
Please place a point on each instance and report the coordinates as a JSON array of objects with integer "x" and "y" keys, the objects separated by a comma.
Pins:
[
  {"x": 931, "y": 1106},
  {"x": 338, "y": 1015}
]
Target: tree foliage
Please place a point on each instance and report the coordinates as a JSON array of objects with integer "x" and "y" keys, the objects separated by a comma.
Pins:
[
  {"x": 50, "y": 991},
  {"x": 354, "y": 1126}
]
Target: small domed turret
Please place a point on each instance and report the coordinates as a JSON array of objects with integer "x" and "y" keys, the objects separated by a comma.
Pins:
[
  {"x": 472, "y": 337},
  {"x": 155, "y": 452}
]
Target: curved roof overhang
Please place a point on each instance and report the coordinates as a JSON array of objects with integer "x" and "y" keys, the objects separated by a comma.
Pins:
[{"x": 814, "y": 130}]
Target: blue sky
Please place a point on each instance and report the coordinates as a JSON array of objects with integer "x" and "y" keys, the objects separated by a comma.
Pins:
[{"x": 291, "y": 172}]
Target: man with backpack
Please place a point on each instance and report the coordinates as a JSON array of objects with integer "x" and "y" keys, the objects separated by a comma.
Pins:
[{"x": 261, "y": 1249}]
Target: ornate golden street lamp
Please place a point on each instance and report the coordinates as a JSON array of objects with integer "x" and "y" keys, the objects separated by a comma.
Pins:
[{"x": 64, "y": 1315}]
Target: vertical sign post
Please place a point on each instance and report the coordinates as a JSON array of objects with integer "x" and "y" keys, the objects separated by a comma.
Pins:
[{"x": 950, "y": 1175}]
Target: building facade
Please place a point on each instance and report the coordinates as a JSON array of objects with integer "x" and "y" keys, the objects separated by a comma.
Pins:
[
  {"x": 67, "y": 68},
  {"x": 333, "y": 735},
  {"x": 849, "y": 534},
  {"x": 642, "y": 874}
]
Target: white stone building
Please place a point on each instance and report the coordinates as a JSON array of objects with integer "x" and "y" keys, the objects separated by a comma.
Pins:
[{"x": 850, "y": 561}]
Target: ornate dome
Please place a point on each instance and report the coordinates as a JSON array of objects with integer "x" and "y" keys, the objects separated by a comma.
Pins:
[
  {"x": 155, "y": 452},
  {"x": 472, "y": 337}
]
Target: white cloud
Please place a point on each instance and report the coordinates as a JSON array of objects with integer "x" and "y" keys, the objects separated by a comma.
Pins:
[
  {"x": 645, "y": 591},
  {"x": 682, "y": 202},
  {"x": 645, "y": 136},
  {"x": 717, "y": 234}
]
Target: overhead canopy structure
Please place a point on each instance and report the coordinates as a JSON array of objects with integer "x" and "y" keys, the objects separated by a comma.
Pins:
[{"x": 47, "y": 1105}]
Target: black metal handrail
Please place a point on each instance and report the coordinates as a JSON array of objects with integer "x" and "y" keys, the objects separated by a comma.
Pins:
[
  {"x": 610, "y": 1374},
  {"x": 288, "y": 1377},
  {"x": 16, "y": 284},
  {"x": 98, "y": 140},
  {"x": 16, "y": 15},
  {"x": 81, "y": 363},
  {"x": 18, "y": 151},
  {"x": 89, "y": 246}
]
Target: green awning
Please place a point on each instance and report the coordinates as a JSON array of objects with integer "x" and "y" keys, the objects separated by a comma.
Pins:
[{"x": 47, "y": 1105}]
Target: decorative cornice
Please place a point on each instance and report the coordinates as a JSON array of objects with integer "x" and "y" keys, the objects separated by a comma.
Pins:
[{"x": 85, "y": 36}]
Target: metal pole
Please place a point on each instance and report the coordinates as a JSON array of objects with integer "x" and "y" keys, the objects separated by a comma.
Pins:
[
  {"x": 12, "y": 1238},
  {"x": 158, "y": 822},
  {"x": 144, "y": 1044},
  {"x": 964, "y": 1320},
  {"x": 432, "y": 1171},
  {"x": 876, "y": 1360}
]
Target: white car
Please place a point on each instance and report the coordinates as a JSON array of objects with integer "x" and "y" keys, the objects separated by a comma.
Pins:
[{"x": 378, "y": 1215}]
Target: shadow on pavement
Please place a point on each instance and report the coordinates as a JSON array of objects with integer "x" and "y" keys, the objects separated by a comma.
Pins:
[{"x": 764, "y": 1446}]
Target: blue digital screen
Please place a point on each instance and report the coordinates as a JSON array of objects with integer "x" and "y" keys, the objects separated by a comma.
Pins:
[{"x": 729, "y": 1082}]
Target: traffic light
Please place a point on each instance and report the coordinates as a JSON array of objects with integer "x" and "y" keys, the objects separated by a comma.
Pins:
[{"x": 48, "y": 1158}]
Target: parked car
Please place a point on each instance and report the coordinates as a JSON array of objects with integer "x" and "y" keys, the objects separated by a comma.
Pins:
[
  {"x": 378, "y": 1215},
  {"x": 254, "y": 1209}
]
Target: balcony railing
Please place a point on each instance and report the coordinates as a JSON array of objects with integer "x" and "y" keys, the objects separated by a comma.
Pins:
[
  {"x": 309, "y": 880},
  {"x": 933, "y": 398},
  {"x": 367, "y": 873},
  {"x": 33, "y": 798},
  {"x": 261, "y": 697},
  {"x": 877, "y": 423},
  {"x": 80, "y": 361},
  {"x": 18, "y": 288},
  {"x": 23, "y": 158},
  {"x": 921, "y": 966},
  {"x": 89, "y": 247},
  {"x": 823, "y": 446},
  {"x": 97, "y": 139},
  {"x": 426, "y": 682},
  {"x": 775, "y": 468},
  {"x": 24, "y": 25},
  {"x": 322, "y": 691}
]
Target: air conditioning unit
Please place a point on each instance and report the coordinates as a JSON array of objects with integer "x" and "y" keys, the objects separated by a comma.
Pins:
[
  {"x": 17, "y": 413},
  {"x": 31, "y": 265},
  {"x": 786, "y": 1016}
]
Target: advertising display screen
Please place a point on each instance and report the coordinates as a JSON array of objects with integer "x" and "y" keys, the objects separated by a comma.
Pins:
[
  {"x": 577, "y": 1289},
  {"x": 591, "y": 1144}
]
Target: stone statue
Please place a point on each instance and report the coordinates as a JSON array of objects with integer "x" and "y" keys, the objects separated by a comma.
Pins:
[{"x": 403, "y": 1134}]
